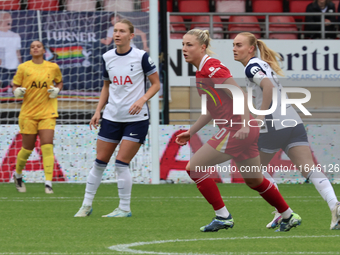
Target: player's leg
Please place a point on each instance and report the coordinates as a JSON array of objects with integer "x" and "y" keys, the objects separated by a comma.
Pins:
[
  {"x": 302, "y": 156},
  {"x": 198, "y": 170},
  {"x": 298, "y": 150},
  {"x": 46, "y": 134},
  {"x": 28, "y": 130},
  {"x": 109, "y": 136},
  {"x": 269, "y": 144},
  {"x": 134, "y": 134},
  {"x": 252, "y": 174}
]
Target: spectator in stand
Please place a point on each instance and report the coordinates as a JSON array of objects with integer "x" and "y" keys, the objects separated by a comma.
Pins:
[
  {"x": 10, "y": 45},
  {"x": 320, "y": 6}
]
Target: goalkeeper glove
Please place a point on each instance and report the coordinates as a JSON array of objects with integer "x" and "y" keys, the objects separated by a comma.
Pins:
[
  {"x": 19, "y": 92},
  {"x": 53, "y": 91}
]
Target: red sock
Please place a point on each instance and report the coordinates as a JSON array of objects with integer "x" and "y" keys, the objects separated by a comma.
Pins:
[
  {"x": 208, "y": 189},
  {"x": 271, "y": 194}
]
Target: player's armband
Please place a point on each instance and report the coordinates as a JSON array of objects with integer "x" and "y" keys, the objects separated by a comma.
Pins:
[{"x": 258, "y": 77}]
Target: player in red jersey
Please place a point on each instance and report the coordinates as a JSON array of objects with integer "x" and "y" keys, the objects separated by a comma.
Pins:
[{"x": 236, "y": 139}]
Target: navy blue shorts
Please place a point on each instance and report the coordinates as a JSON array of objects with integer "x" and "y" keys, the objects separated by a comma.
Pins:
[
  {"x": 284, "y": 139},
  {"x": 113, "y": 132}
]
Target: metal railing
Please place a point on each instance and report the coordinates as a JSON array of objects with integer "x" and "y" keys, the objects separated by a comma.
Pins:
[{"x": 265, "y": 25}]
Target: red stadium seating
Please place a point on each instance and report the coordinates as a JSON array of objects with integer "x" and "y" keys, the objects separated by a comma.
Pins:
[
  {"x": 299, "y": 6},
  {"x": 10, "y": 5},
  {"x": 193, "y": 6},
  {"x": 267, "y": 6},
  {"x": 282, "y": 27},
  {"x": 251, "y": 26},
  {"x": 177, "y": 27},
  {"x": 230, "y": 6},
  {"x": 218, "y": 28},
  {"x": 145, "y": 5},
  {"x": 46, "y": 5}
]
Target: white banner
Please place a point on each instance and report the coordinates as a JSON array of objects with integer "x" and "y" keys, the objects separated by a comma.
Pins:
[{"x": 313, "y": 62}]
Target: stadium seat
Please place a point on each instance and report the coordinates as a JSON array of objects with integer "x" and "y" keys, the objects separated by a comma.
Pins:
[
  {"x": 177, "y": 27},
  {"x": 85, "y": 5},
  {"x": 193, "y": 6},
  {"x": 10, "y": 5},
  {"x": 282, "y": 27},
  {"x": 145, "y": 5},
  {"x": 218, "y": 28},
  {"x": 46, "y": 5},
  {"x": 299, "y": 6},
  {"x": 245, "y": 24},
  {"x": 230, "y": 6},
  {"x": 267, "y": 6},
  {"x": 119, "y": 5}
]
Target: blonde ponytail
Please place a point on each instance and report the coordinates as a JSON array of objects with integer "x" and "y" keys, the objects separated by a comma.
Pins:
[
  {"x": 270, "y": 56},
  {"x": 267, "y": 55}
]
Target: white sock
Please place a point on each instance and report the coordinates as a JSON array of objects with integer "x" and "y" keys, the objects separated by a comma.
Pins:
[
  {"x": 324, "y": 187},
  {"x": 93, "y": 181},
  {"x": 124, "y": 185},
  {"x": 49, "y": 183},
  {"x": 286, "y": 214},
  {"x": 223, "y": 212},
  {"x": 18, "y": 175},
  {"x": 270, "y": 178}
]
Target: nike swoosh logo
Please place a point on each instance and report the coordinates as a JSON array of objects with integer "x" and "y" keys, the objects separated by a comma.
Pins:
[{"x": 133, "y": 134}]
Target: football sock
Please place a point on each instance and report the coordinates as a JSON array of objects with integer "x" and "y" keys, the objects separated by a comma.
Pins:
[
  {"x": 93, "y": 181},
  {"x": 48, "y": 162},
  {"x": 22, "y": 157},
  {"x": 124, "y": 180},
  {"x": 208, "y": 189},
  {"x": 270, "y": 193},
  {"x": 324, "y": 187}
]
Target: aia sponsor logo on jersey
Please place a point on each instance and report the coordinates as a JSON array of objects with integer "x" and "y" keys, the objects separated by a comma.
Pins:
[{"x": 121, "y": 80}]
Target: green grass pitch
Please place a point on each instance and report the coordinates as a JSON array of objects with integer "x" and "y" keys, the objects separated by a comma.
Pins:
[{"x": 165, "y": 220}]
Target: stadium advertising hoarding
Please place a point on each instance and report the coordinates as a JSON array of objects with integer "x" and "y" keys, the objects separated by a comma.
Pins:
[
  {"x": 306, "y": 63},
  {"x": 75, "y": 150}
]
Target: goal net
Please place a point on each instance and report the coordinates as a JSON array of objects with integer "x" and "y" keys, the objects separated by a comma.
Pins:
[{"x": 75, "y": 34}]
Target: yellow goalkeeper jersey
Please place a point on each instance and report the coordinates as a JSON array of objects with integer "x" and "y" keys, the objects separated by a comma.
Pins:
[{"x": 37, "y": 79}]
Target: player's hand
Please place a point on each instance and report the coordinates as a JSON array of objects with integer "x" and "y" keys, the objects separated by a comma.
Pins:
[
  {"x": 95, "y": 120},
  {"x": 53, "y": 91},
  {"x": 183, "y": 138},
  {"x": 19, "y": 92},
  {"x": 242, "y": 133},
  {"x": 137, "y": 106}
]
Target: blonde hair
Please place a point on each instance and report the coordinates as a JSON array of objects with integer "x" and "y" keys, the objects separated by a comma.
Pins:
[
  {"x": 127, "y": 22},
  {"x": 267, "y": 55},
  {"x": 203, "y": 37}
]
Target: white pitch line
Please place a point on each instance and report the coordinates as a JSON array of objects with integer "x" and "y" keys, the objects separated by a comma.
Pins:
[{"x": 126, "y": 247}]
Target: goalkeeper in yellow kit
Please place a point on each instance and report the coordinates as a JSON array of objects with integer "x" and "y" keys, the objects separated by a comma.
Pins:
[{"x": 34, "y": 80}]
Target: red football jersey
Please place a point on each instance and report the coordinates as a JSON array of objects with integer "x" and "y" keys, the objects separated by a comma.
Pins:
[{"x": 219, "y": 103}]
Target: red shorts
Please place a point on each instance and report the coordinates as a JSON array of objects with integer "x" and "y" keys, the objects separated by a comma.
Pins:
[{"x": 241, "y": 150}]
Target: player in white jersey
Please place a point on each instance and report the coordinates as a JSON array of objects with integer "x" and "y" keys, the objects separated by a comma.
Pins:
[
  {"x": 260, "y": 76},
  {"x": 125, "y": 118}
]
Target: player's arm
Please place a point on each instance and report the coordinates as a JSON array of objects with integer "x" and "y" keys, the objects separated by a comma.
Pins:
[
  {"x": 54, "y": 90},
  {"x": 259, "y": 77},
  {"x": 244, "y": 131},
  {"x": 200, "y": 123},
  {"x": 18, "y": 90},
  {"x": 104, "y": 97},
  {"x": 154, "y": 88},
  {"x": 184, "y": 137}
]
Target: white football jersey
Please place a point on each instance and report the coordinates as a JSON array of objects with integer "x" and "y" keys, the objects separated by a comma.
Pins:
[
  {"x": 255, "y": 71},
  {"x": 127, "y": 74}
]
